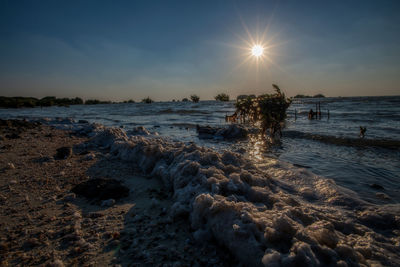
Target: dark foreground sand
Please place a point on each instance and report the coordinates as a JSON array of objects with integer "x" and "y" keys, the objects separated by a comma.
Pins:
[{"x": 42, "y": 222}]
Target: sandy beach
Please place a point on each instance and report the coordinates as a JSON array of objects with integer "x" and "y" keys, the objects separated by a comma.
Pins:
[
  {"x": 42, "y": 222},
  {"x": 87, "y": 195}
]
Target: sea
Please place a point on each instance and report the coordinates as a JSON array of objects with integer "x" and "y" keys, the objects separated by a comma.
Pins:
[{"x": 323, "y": 146}]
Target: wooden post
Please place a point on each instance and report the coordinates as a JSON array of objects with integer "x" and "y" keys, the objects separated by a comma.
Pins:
[
  {"x": 295, "y": 114},
  {"x": 319, "y": 109}
]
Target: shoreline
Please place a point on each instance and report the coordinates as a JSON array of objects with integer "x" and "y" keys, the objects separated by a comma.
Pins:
[{"x": 208, "y": 199}]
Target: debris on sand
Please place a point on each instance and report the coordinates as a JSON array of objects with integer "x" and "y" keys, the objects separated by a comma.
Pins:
[{"x": 10, "y": 166}]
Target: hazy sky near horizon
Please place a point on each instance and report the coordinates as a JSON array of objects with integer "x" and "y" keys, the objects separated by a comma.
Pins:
[{"x": 167, "y": 50}]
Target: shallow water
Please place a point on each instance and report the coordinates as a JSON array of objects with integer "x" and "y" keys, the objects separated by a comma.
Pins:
[{"x": 353, "y": 167}]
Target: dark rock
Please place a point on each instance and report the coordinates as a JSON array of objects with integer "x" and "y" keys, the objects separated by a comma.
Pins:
[
  {"x": 63, "y": 152},
  {"x": 83, "y": 121},
  {"x": 101, "y": 189},
  {"x": 234, "y": 131},
  {"x": 376, "y": 186},
  {"x": 206, "y": 132}
]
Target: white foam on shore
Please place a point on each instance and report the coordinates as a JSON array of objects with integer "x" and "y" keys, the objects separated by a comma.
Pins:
[{"x": 273, "y": 215}]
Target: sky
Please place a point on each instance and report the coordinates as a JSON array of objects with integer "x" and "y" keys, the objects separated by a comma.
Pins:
[{"x": 120, "y": 50}]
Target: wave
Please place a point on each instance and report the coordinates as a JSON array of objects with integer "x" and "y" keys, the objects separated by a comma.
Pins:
[{"x": 357, "y": 142}]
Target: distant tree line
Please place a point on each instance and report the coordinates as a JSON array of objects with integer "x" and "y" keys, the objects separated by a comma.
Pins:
[
  {"x": 30, "y": 102},
  {"x": 96, "y": 102},
  {"x": 48, "y": 101},
  {"x": 307, "y": 96}
]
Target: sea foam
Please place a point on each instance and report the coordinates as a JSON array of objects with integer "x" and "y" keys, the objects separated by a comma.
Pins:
[{"x": 274, "y": 215}]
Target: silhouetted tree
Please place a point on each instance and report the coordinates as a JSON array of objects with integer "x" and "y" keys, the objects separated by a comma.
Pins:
[
  {"x": 147, "y": 100},
  {"x": 195, "y": 98},
  {"x": 222, "y": 97}
]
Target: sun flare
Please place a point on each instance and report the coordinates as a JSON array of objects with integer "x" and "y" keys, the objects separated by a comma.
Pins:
[{"x": 257, "y": 50}]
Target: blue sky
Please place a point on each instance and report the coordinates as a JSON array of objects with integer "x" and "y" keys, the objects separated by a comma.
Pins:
[{"x": 170, "y": 49}]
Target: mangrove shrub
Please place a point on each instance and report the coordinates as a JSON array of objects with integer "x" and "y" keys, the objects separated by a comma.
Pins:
[
  {"x": 222, "y": 97},
  {"x": 268, "y": 111},
  {"x": 195, "y": 98},
  {"x": 147, "y": 100}
]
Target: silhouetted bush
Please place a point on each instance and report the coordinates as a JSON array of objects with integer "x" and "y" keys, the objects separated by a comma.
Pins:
[
  {"x": 147, "y": 100},
  {"x": 222, "y": 97},
  {"x": 185, "y": 100},
  {"x": 195, "y": 98},
  {"x": 318, "y": 96},
  {"x": 302, "y": 96},
  {"x": 267, "y": 110}
]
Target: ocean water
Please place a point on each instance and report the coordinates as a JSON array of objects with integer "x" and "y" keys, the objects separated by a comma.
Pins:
[{"x": 353, "y": 167}]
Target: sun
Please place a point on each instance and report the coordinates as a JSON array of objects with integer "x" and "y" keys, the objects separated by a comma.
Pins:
[{"x": 257, "y": 50}]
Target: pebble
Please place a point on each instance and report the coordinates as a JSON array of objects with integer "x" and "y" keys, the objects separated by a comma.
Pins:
[
  {"x": 13, "y": 181},
  {"x": 10, "y": 166}
]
